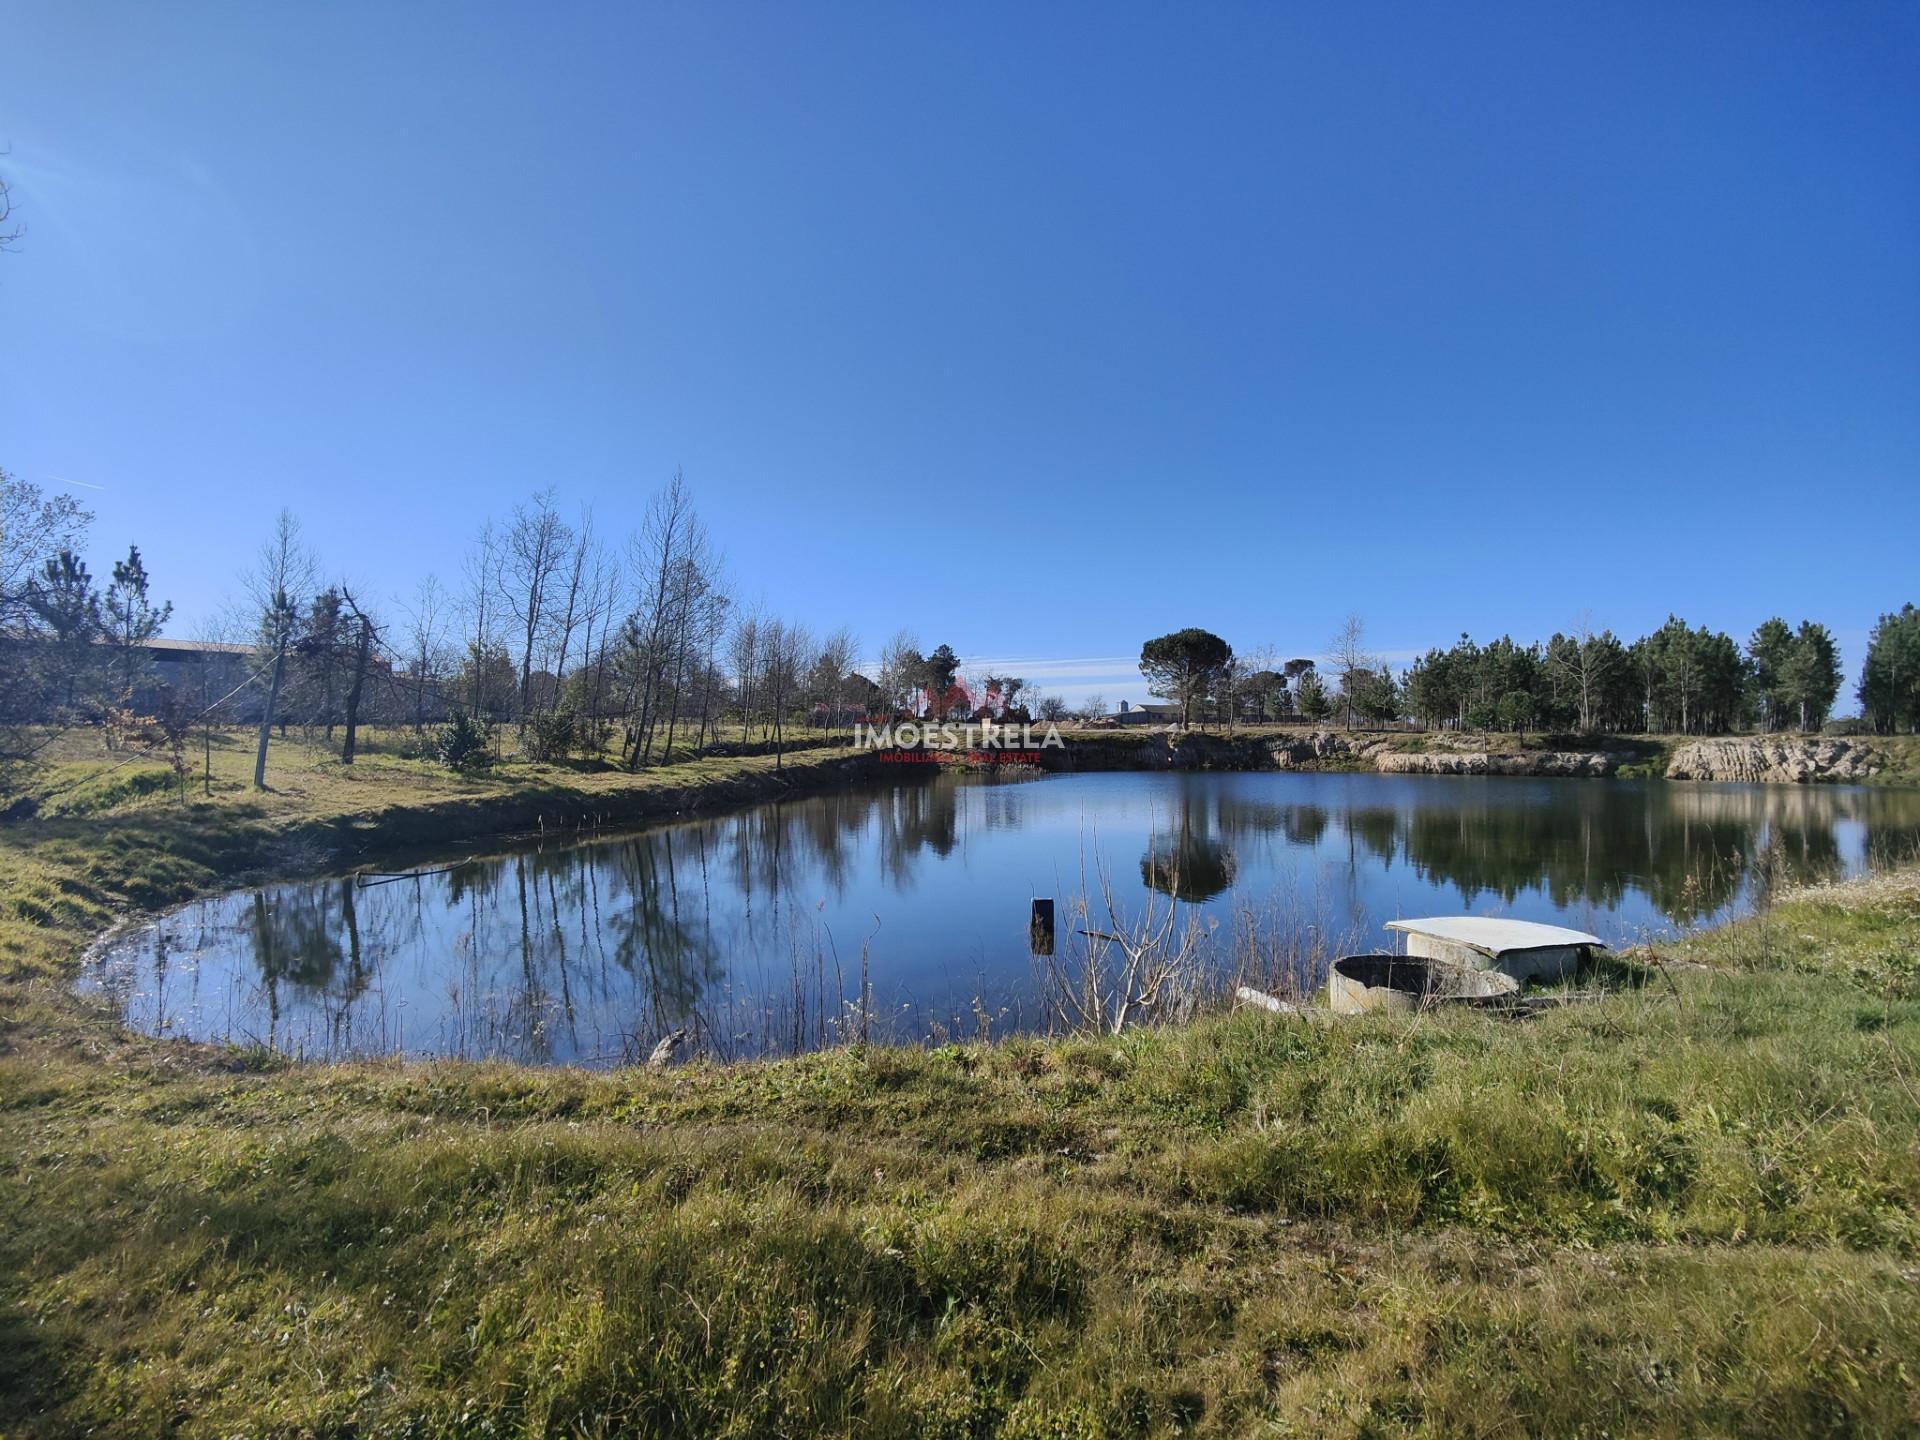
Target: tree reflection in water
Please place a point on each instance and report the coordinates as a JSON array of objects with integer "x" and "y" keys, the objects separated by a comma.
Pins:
[
  {"x": 1192, "y": 864},
  {"x": 746, "y": 929}
]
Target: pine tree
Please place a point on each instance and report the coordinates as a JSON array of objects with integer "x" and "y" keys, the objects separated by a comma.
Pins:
[
  {"x": 1770, "y": 651},
  {"x": 1315, "y": 703},
  {"x": 62, "y": 598},
  {"x": 1812, "y": 674},
  {"x": 132, "y": 618},
  {"x": 1890, "y": 680}
]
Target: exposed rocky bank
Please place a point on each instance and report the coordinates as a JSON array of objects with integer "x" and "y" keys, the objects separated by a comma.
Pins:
[
  {"x": 1773, "y": 760},
  {"x": 1441, "y": 755},
  {"x": 1767, "y": 760}
]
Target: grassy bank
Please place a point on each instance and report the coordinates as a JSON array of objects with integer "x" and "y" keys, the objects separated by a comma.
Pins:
[
  {"x": 115, "y": 832},
  {"x": 1692, "y": 1207}
]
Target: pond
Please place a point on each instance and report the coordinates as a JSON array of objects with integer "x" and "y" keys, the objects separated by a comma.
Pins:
[{"x": 900, "y": 913}]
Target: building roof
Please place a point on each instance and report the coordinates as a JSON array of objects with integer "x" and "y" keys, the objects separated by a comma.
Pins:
[
  {"x": 195, "y": 647},
  {"x": 1493, "y": 936}
]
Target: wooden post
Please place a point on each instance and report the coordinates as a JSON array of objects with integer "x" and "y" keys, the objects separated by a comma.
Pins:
[{"x": 1040, "y": 927}]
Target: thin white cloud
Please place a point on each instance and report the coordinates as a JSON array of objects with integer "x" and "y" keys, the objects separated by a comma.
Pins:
[{"x": 1031, "y": 667}]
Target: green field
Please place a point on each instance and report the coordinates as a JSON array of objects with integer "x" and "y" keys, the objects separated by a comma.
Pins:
[{"x": 1692, "y": 1207}]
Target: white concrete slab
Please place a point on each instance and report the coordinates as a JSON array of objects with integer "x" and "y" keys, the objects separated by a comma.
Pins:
[{"x": 1493, "y": 936}]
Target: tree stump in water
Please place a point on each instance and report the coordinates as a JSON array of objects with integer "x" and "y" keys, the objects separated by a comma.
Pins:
[{"x": 1040, "y": 928}]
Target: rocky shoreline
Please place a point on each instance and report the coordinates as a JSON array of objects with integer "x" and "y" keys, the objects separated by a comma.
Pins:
[
  {"x": 1775, "y": 761},
  {"x": 1746, "y": 759}
]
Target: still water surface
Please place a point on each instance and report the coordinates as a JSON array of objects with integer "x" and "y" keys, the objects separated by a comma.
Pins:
[{"x": 749, "y": 929}]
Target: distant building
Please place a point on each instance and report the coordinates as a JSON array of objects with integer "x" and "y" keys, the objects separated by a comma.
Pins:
[
  {"x": 1154, "y": 712},
  {"x": 205, "y": 674},
  {"x": 197, "y": 668}
]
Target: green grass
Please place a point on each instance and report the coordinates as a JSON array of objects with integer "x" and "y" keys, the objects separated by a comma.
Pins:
[
  {"x": 1901, "y": 756},
  {"x": 1690, "y": 1208}
]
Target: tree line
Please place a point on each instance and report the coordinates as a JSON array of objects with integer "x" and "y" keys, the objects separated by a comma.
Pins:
[
  {"x": 640, "y": 648},
  {"x": 637, "y": 650},
  {"x": 1680, "y": 679}
]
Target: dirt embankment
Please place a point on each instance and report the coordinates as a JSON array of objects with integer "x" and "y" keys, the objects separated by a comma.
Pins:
[{"x": 411, "y": 828}]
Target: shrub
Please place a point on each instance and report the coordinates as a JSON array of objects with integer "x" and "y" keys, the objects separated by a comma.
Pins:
[
  {"x": 461, "y": 744},
  {"x": 552, "y": 736}
]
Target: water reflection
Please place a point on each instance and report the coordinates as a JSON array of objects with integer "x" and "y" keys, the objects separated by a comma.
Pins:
[
  {"x": 902, "y": 911},
  {"x": 1193, "y": 863}
]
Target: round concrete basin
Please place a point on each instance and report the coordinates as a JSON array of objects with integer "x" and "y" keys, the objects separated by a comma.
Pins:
[{"x": 1401, "y": 983}]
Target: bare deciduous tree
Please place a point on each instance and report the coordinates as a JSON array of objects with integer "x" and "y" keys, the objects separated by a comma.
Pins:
[
  {"x": 480, "y": 620},
  {"x": 426, "y": 644},
  {"x": 10, "y": 231},
  {"x": 366, "y": 633},
  {"x": 571, "y": 609},
  {"x": 787, "y": 655},
  {"x": 1585, "y": 666},
  {"x": 597, "y": 620},
  {"x": 744, "y": 656},
  {"x": 832, "y": 665},
  {"x": 901, "y": 667},
  {"x": 678, "y": 620},
  {"x": 282, "y": 573},
  {"x": 1348, "y": 652},
  {"x": 533, "y": 555},
  {"x": 34, "y": 527},
  {"x": 231, "y": 626}
]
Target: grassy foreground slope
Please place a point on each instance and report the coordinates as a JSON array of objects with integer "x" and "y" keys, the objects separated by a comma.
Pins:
[{"x": 1693, "y": 1207}]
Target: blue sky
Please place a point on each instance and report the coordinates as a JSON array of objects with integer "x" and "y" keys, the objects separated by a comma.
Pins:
[{"x": 1037, "y": 329}]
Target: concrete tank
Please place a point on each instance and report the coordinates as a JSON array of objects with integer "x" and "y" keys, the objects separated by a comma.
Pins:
[
  {"x": 1398, "y": 984},
  {"x": 1520, "y": 948}
]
